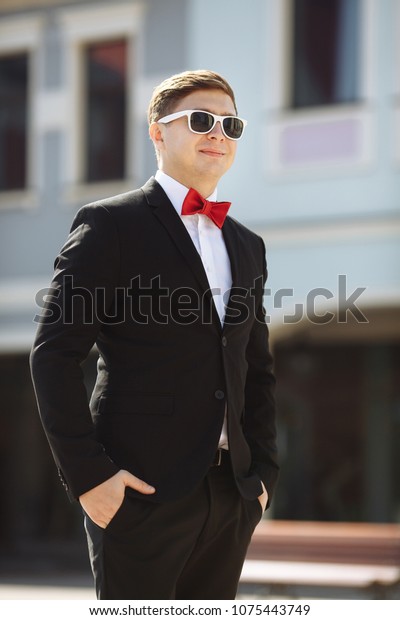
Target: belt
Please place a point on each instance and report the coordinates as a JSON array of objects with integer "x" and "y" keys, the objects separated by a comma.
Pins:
[{"x": 220, "y": 453}]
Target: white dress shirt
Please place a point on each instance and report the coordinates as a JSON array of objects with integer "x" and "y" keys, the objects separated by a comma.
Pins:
[{"x": 209, "y": 242}]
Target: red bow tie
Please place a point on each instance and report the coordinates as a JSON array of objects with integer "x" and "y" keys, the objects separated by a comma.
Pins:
[{"x": 194, "y": 203}]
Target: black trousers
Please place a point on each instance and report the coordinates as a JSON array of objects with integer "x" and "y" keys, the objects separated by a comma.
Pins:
[{"x": 190, "y": 549}]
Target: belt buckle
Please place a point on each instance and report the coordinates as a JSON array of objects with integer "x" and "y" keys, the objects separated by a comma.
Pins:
[{"x": 218, "y": 458}]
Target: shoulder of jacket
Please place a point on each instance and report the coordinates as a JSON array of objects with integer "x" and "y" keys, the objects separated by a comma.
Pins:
[
  {"x": 119, "y": 200},
  {"x": 114, "y": 206}
]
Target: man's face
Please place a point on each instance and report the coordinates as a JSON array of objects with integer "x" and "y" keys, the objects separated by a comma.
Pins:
[{"x": 197, "y": 160}]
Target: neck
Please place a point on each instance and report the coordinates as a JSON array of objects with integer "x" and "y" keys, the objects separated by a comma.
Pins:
[
  {"x": 205, "y": 187},
  {"x": 205, "y": 190}
]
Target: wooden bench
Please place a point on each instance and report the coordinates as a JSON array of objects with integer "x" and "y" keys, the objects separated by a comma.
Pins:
[{"x": 292, "y": 557}]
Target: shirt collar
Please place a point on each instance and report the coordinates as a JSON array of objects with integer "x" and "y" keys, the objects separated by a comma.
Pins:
[{"x": 175, "y": 191}]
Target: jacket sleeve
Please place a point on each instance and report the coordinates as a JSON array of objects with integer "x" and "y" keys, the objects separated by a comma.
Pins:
[
  {"x": 67, "y": 331},
  {"x": 260, "y": 410}
]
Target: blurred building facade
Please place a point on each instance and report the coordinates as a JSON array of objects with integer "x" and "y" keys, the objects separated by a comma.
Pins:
[{"x": 317, "y": 175}]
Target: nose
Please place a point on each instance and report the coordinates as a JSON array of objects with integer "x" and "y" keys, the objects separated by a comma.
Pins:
[{"x": 216, "y": 132}]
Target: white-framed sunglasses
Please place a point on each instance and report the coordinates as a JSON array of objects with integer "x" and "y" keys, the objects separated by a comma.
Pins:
[{"x": 200, "y": 121}]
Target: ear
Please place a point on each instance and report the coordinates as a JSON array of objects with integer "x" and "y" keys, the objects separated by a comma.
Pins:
[{"x": 156, "y": 135}]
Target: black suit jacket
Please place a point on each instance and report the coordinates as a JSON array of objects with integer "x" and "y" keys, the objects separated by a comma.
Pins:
[{"x": 130, "y": 280}]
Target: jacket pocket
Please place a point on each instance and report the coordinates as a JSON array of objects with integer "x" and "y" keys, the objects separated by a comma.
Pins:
[{"x": 137, "y": 403}]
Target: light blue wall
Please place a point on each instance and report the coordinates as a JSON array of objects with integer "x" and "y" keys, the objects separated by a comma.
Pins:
[
  {"x": 368, "y": 263},
  {"x": 30, "y": 239}
]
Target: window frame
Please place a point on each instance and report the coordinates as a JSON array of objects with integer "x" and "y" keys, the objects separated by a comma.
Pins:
[
  {"x": 81, "y": 27},
  {"x": 22, "y": 35},
  {"x": 282, "y": 119}
]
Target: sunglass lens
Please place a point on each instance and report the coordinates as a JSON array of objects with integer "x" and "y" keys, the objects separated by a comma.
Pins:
[
  {"x": 233, "y": 127},
  {"x": 201, "y": 122}
]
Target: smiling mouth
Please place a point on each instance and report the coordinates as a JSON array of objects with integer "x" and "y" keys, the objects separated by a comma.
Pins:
[{"x": 212, "y": 153}]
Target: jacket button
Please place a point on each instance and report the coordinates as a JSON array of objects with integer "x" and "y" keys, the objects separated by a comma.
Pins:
[
  {"x": 224, "y": 341},
  {"x": 219, "y": 394}
]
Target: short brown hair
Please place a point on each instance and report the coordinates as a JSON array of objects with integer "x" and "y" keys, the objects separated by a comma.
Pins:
[{"x": 167, "y": 94}]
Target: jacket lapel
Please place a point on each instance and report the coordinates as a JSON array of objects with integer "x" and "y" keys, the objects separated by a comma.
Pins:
[
  {"x": 242, "y": 273},
  {"x": 232, "y": 245},
  {"x": 168, "y": 217}
]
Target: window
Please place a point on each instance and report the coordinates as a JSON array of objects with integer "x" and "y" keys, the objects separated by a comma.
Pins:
[
  {"x": 106, "y": 110},
  {"x": 326, "y": 42},
  {"x": 13, "y": 121},
  {"x": 100, "y": 97},
  {"x": 360, "y": 417}
]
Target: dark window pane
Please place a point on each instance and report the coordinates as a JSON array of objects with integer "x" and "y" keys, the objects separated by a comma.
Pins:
[
  {"x": 13, "y": 121},
  {"x": 106, "y": 110},
  {"x": 338, "y": 398},
  {"x": 325, "y": 52}
]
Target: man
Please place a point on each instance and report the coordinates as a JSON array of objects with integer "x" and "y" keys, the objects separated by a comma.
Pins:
[{"x": 175, "y": 459}]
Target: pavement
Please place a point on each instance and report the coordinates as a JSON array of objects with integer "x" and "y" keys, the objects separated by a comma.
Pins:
[
  {"x": 65, "y": 587},
  {"x": 58, "y": 586},
  {"x": 46, "y": 580},
  {"x": 77, "y": 585}
]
